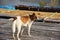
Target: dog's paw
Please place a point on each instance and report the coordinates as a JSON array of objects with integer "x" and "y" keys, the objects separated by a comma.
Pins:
[{"x": 30, "y": 35}]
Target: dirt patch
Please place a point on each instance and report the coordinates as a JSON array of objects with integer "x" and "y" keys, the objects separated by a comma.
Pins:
[{"x": 24, "y": 13}]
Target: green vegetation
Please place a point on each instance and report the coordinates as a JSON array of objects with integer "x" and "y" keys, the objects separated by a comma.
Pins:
[
  {"x": 51, "y": 3},
  {"x": 42, "y": 3},
  {"x": 54, "y": 2}
]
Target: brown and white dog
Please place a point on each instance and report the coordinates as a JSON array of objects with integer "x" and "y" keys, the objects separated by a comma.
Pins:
[{"x": 23, "y": 21}]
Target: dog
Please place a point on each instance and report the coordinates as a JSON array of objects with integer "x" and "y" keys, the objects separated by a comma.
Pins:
[{"x": 26, "y": 21}]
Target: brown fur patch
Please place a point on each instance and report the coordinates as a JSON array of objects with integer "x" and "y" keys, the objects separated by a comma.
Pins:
[
  {"x": 33, "y": 17},
  {"x": 24, "y": 19}
]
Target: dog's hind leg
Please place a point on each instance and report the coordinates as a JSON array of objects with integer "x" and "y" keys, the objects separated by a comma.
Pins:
[
  {"x": 14, "y": 28},
  {"x": 18, "y": 27}
]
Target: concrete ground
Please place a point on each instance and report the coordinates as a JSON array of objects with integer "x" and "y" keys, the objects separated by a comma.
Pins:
[{"x": 39, "y": 31}]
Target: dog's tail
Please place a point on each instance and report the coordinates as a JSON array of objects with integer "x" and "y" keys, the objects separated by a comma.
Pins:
[{"x": 12, "y": 18}]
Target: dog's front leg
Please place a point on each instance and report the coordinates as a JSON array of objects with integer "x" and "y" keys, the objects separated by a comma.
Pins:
[
  {"x": 29, "y": 31},
  {"x": 22, "y": 31},
  {"x": 29, "y": 27}
]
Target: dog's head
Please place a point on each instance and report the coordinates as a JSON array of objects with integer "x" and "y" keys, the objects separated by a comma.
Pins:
[{"x": 34, "y": 16}]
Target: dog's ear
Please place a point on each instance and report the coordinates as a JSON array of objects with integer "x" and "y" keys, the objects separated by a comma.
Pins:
[{"x": 33, "y": 14}]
